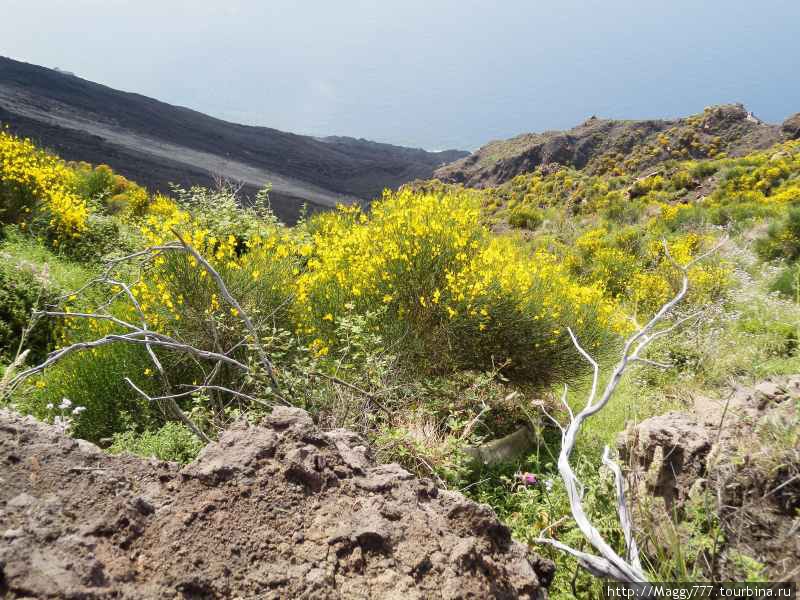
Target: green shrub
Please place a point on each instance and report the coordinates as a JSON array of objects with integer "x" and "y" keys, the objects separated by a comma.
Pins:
[
  {"x": 703, "y": 169},
  {"x": 681, "y": 180},
  {"x": 23, "y": 288},
  {"x": 173, "y": 442},
  {"x": 782, "y": 239},
  {"x": 102, "y": 237},
  {"x": 94, "y": 183},
  {"x": 646, "y": 185},
  {"x": 735, "y": 213},
  {"x": 95, "y": 380},
  {"x": 787, "y": 283},
  {"x": 526, "y": 217},
  {"x": 623, "y": 210}
]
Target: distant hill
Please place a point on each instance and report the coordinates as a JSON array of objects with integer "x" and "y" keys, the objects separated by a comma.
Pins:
[
  {"x": 155, "y": 143},
  {"x": 605, "y": 146}
]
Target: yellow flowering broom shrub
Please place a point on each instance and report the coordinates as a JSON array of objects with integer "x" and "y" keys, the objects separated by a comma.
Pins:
[
  {"x": 33, "y": 181},
  {"x": 111, "y": 192},
  {"x": 80, "y": 211},
  {"x": 453, "y": 296},
  {"x": 639, "y": 274}
]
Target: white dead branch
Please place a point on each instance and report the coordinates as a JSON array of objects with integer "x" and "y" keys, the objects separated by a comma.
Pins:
[
  {"x": 141, "y": 334},
  {"x": 607, "y": 563}
]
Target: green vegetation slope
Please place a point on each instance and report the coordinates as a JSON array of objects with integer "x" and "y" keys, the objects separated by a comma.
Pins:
[{"x": 434, "y": 322}]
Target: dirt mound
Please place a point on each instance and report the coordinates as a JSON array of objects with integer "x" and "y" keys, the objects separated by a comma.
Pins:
[
  {"x": 282, "y": 510},
  {"x": 742, "y": 452}
]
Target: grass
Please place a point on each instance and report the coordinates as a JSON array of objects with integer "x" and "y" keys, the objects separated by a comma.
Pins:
[
  {"x": 172, "y": 442},
  {"x": 65, "y": 274}
]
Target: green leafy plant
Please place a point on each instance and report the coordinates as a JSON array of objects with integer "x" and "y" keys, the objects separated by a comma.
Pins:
[{"x": 172, "y": 442}]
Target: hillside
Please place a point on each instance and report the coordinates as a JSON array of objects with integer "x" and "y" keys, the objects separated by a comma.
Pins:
[
  {"x": 155, "y": 143},
  {"x": 607, "y": 146},
  {"x": 440, "y": 326}
]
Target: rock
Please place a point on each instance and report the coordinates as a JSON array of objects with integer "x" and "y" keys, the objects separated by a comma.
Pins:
[
  {"x": 283, "y": 417},
  {"x": 596, "y": 142},
  {"x": 238, "y": 450},
  {"x": 281, "y": 510},
  {"x": 670, "y": 450},
  {"x": 791, "y": 127},
  {"x": 504, "y": 449},
  {"x": 12, "y": 534},
  {"x": 768, "y": 392},
  {"x": 352, "y": 448},
  {"x": 22, "y": 500},
  {"x": 143, "y": 506},
  {"x": 306, "y": 466},
  {"x": 383, "y": 478},
  {"x": 723, "y": 113},
  {"x": 88, "y": 448},
  {"x": 731, "y": 454}
]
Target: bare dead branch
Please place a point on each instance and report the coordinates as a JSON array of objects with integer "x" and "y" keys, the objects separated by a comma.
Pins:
[
  {"x": 609, "y": 564},
  {"x": 241, "y": 313},
  {"x": 181, "y": 416},
  {"x": 625, "y": 519},
  {"x": 226, "y": 390},
  {"x": 141, "y": 334}
]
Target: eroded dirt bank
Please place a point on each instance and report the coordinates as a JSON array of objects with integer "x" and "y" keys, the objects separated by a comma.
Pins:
[{"x": 277, "y": 511}]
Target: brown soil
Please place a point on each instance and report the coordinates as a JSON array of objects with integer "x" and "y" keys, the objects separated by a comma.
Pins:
[{"x": 281, "y": 510}]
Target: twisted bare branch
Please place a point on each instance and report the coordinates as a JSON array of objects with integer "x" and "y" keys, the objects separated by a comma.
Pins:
[
  {"x": 141, "y": 334},
  {"x": 609, "y": 564},
  {"x": 228, "y": 297}
]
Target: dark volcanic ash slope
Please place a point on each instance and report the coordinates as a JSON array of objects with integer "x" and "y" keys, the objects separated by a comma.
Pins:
[
  {"x": 277, "y": 511},
  {"x": 155, "y": 143},
  {"x": 601, "y": 145}
]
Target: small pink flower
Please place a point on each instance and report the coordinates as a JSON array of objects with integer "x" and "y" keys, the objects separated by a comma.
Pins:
[{"x": 528, "y": 479}]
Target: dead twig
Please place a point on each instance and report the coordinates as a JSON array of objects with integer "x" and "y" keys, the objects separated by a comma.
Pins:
[{"x": 607, "y": 563}]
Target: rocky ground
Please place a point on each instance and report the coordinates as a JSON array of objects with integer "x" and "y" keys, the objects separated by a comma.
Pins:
[
  {"x": 640, "y": 146},
  {"x": 739, "y": 456},
  {"x": 282, "y": 510}
]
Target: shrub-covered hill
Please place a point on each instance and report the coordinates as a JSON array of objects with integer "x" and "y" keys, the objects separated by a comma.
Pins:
[
  {"x": 603, "y": 146},
  {"x": 432, "y": 323}
]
